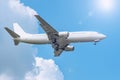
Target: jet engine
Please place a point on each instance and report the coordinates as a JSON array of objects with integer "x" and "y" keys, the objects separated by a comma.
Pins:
[
  {"x": 64, "y": 34},
  {"x": 69, "y": 48}
]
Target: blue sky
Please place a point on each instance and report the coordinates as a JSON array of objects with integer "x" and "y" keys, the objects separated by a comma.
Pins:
[{"x": 87, "y": 62}]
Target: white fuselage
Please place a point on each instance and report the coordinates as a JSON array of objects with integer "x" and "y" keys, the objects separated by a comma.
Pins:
[
  {"x": 59, "y": 40},
  {"x": 83, "y": 36}
]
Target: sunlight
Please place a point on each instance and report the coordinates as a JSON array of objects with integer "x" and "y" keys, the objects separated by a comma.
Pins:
[{"x": 106, "y": 5}]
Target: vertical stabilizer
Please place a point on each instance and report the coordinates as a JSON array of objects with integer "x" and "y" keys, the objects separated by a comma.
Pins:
[{"x": 18, "y": 29}]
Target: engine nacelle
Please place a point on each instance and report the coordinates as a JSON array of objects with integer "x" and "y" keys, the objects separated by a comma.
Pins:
[
  {"x": 64, "y": 34},
  {"x": 69, "y": 48}
]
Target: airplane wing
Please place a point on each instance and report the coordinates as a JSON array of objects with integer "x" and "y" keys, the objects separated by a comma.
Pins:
[
  {"x": 58, "y": 43},
  {"x": 51, "y": 32},
  {"x": 48, "y": 28}
]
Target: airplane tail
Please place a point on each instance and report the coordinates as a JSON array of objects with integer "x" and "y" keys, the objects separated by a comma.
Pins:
[{"x": 18, "y": 31}]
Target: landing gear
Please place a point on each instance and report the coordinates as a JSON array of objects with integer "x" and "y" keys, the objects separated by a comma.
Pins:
[
  {"x": 95, "y": 42},
  {"x": 55, "y": 45},
  {"x": 53, "y": 40}
]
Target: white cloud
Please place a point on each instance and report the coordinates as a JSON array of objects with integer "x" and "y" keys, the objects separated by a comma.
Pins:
[
  {"x": 5, "y": 77},
  {"x": 17, "y": 61},
  {"x": 44, "y": 70},
  {"x": 14, "y": 59},
  {"x": 19, "y": 8}
]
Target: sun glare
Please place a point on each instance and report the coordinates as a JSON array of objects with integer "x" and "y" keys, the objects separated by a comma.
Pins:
[{"x": 106, "y": 5}]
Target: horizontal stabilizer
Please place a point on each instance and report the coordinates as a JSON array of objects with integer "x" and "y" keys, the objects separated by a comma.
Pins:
[{"x": 12, "y": 33}]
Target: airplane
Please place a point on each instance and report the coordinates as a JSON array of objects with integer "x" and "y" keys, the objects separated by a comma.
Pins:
[{"x": 60, "y": 41}]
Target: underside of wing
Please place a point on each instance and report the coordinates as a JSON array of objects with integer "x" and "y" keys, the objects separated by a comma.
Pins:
[
  {"x": 50, "y": 31},
  {"x": 58, "y": 43},
  {"x": 47, "y": 28}
]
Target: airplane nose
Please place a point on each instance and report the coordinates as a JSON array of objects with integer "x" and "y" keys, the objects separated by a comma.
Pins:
[{"x": 103, "y": 36}]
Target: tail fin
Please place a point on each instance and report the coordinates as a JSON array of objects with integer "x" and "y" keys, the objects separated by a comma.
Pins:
[
  {"x": 13, "y": 34},
  {"x": 18, "y": 29}
]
